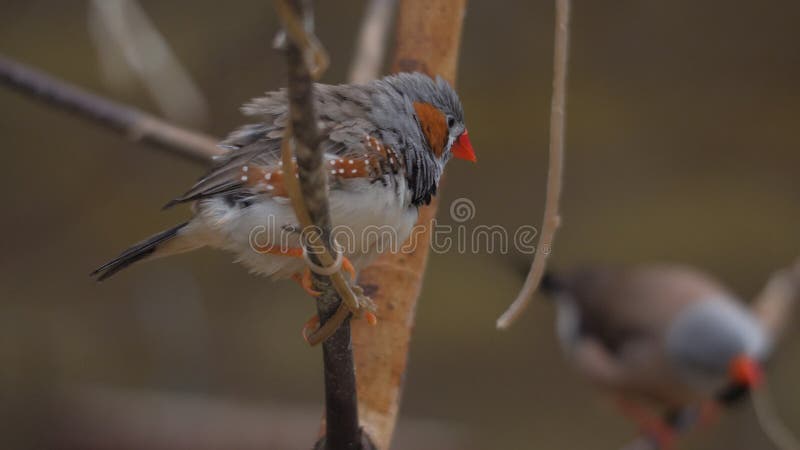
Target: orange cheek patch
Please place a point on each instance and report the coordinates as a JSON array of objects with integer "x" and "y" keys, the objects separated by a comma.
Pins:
[{"x": 434, "y": 126}]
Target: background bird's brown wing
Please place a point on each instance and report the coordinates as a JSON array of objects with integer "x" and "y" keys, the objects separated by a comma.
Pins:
[{"x": 617, "y": 304}]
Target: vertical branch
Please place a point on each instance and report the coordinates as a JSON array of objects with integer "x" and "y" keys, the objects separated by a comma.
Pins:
[
  {"x": 428, "y": 38},
  {"x": 310, "y": 201},
  {"x": 551, "y": 219},
  {"x": 371, "y": 44}
]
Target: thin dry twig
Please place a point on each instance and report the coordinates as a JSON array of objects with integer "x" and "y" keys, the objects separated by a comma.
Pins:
[
  {"x": 775, "y": 304},
  {"x": 132, "y": 123},
  {"x": 309, "y": 195},
  {"x": 371, "y": 43},
  {"x": 551, "y": 219},
  {"x": 773, "y": 427},
  {"x": 130, "y": 48}
]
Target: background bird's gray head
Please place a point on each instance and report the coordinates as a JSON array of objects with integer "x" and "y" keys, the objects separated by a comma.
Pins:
[{"x": 717, "y": 345}]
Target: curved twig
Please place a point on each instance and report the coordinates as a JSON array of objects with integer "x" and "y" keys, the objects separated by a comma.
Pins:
[{"x": 555, "y": 172}]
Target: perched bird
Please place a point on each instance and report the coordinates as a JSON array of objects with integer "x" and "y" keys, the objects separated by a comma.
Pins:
[
  {"x": 659, "y": 338},
  {"x": 385, "y": 146}
]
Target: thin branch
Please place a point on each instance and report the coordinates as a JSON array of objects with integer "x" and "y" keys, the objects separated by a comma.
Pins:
[
  {"x": 371, "y": 44},
  {"x": 130, "y": 48},
  {"x": 428, "y": 39},
  {"x": 778, "y": 300},
  {"x": 775, "y": 306},
  {"x": 132, "y": 123},
  {"x": 552, "y": 218},
  {"x": 310, "y": 201}
]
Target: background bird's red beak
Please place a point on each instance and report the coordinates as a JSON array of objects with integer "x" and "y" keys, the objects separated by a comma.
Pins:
[
  {"x": 462, "y": 148},
  {"x": 744, "y": 370}
]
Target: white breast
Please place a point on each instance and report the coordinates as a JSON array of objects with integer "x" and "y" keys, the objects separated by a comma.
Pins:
[{"x": 368, "y": 219}]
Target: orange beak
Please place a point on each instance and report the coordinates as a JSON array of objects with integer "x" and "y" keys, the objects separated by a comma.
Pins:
[
  {"x": 745, "y": 371},
  {"x": 462, "y": 148}
]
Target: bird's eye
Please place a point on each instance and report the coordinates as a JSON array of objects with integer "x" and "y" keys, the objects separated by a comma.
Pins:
[{"x": 450, "y": 122}]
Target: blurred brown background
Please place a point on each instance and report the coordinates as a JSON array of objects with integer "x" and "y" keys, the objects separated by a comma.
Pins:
[{"x": 682, "y": 146}]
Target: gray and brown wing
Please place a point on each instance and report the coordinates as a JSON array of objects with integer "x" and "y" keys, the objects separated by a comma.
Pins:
[{"x": 254, "y": 165}]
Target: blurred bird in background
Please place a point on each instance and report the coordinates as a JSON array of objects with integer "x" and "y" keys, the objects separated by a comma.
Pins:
[{"x": 668, "y": 342}]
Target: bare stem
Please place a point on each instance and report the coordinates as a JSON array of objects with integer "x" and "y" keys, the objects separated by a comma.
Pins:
[
  {"x": 775, "y": 304},
  {"x": 134, "y": 124},
  {"x": 551, "y": 219},
  {"x": 310, "y": 200},
  {"x": 371, "y": 44}
]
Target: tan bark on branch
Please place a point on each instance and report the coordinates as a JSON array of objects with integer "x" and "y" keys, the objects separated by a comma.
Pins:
[{"x": 428, "y": 39}]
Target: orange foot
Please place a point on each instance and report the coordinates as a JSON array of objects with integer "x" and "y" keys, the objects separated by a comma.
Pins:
[
  {"x": 308, "y": 327},
  {"x": 298, "y": 253},
  {"x": 348, "y": 267},
  {"x": 650, "y": 425},
  {"x": 304, "y": 281}
]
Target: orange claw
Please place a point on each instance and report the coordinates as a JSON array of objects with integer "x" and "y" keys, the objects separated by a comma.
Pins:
[
  {"x": 372, "y": 319},
  {"x": 348, "y": 267},
  {"x": 304, "y": 281},
  {"x": 310, "y": 325}
]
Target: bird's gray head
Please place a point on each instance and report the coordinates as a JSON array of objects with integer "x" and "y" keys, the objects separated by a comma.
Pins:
[
  {"x": 717, "y": 345},
  {"x": 435, "y": 133}
]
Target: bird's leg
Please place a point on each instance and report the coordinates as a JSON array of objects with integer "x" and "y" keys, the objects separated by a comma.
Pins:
[
  {"x": 304, "y": 279},
  {"x": 649, "y": 423}
]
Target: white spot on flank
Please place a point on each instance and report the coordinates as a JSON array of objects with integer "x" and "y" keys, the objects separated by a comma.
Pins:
[
  {"x": 353, "y": 171},
  {"x": 244, "y": 178},
  {"x": 350, "y": 161},
  {"x": 333, "y": 172},
  {"x": 341, "y": 170},
  {"x": 244, "y": 168},
  {"x": 333, "y": 162},
  {"x": 270, "y": 187},
  {"x": 268, "y": 176}
]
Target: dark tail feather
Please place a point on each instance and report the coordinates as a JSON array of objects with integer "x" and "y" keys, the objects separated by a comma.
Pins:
[{"x": 137, "y": 252}]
